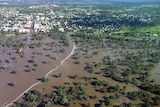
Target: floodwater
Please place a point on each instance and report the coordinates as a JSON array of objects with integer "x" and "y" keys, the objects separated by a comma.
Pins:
[
  {"x": 24, "y": 78},
  {"x": 155, "y": 73},
  {"x": 69, "y": 69}
]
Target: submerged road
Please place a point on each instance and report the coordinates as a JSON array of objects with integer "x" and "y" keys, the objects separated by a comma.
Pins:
[{"x": 11, "y": 103}]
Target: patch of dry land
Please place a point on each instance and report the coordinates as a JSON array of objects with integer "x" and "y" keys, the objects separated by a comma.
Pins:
[{"x": 102, "y": 71}]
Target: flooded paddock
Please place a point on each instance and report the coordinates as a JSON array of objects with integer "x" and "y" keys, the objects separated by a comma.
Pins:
[{"x": 26, "y": 68}]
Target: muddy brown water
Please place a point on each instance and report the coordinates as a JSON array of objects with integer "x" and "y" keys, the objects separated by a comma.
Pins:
[
  {"x": 71, "y": 69},
  {"x": 155, "y": 73},
  {"x": 23, "y": 78},
  {"x": 68, "y": 69}
]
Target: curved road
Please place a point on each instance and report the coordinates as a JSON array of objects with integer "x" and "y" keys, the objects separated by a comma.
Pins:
[{"x": 40, "y": 81}]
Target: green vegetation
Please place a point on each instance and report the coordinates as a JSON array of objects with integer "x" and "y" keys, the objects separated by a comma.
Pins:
[
  {"x": 154, "y": 29},
  {"x": 10, "y": 34},
  {"x": 64, "y": 95},
  {"x": 13, "y": 84}
]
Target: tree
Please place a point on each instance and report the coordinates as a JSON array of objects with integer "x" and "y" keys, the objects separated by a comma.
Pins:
[
  {"x": 60, "y": 74},
  {"x": 147, "y": 104},
  {"x": 64, "y": 101},
  {"x": 45, "y": 62},
  {"x": 44, "y": 79},
  {"x": 126, "y": 73},
  {"x": 108, "y": 101},
  {"x": 90, "y": 105},
  {"x": 102, "y": 104},
  {"x": 156, "y": 101},
  {"x": 12, "y": 84},
  {"x": 133, "y": 95}
]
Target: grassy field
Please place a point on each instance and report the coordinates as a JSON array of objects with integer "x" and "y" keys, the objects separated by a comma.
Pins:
[
  {"x": 142, "y": 32},
  {"x": 153, "y": 29}
]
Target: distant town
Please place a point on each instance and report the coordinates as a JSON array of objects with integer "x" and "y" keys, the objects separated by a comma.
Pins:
[
  {"x": 23, "y": 22},
  {"x": 43, "y": 18}
]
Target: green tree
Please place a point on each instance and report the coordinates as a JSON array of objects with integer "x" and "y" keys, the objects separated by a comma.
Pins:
[{"x": 108, "y": 101}]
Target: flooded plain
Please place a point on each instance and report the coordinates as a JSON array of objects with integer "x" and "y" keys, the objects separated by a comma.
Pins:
[
  {"x": 70, "y": 69},
  {"x": 34, "y": 63},
  {"x": 28, "y": 67}
]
